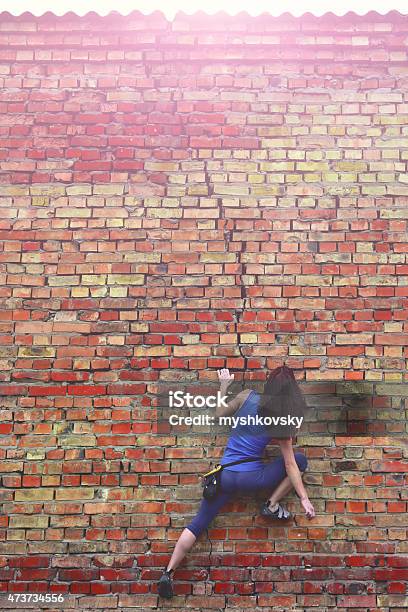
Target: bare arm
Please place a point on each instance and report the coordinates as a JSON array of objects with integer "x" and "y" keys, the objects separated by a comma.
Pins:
[
  {"x": 295, "y": 476},
  {"x": 291, "y": 466}
]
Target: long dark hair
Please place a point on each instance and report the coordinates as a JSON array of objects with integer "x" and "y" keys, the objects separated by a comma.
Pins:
[{"x": 282, "y": 397}]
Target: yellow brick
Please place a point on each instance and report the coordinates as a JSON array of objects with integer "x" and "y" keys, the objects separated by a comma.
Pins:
[
  {"x": 116, "y": 340},
  {"x": 333, "y": 155},
  {"x": 205, "y": 213},
  {"x": 279, "y": 143},
  {"x": 50, "y": 481},
  {"x": 391, "y": 143},
  {"x": 249, "y": 338},
  {"x": 217, "y": 257},
  {"x": 391, "y": 119},
  {"x": 82, "y": 364},
  {"x": 314, "y": 441},
  {"x": 345, "y": 190},
  {"x": 75, "y": 493},
  {"x": 63, "y": 281},
  {"x": 33, "y": 258},
  {"x": 235, "y": 96},
  {"x": 394, "y": 213},
  {"x": 40, "y": 201},
  {"x": 276, "y": 178},
  {"x": 305, "y": 350},
  {"x": 178, "y": 179},
  {"x": 265, "y": 190},
  {"x": 293, "y": 154},
  {"x": 152, "y": 202},
  {"x": 276, "y": 166},
  {"x": 294, "y": 178},
  {"x": 336, "y": 130},
  {"x": 109, "y": 189},
  {"x": 261, "y": 119},
  {"x": 191, "y": 339},
  {"x": 79, "y": 292},
  {"x": 374, "y": 190},
  {"x": 77, "y": 440},
  {"x": 192, "y": 351},
  {"x": 118, "y": 291},
  {"x": 9, "y": 213},
  {"x": 12, "y": 466},
  {"x": 312, "y": 166},
  {"x": 354, "y": 339},
  {"x": 53, "y": 190},
  {"x": 157, "y": 303},
  {"x": 384, "y": 177},
  {"x": 273, "y": 131},
  {"x": 84, "y": 189},
  {"x": 228, "y": 189},
  {"x": 112, "y": 96},
  {"x": 393, "y": 376},
  {"x": 164, "y": 213},
  {"x": 132, "y": 201},
  {"x": 152, "y": 351},
  {"x": 394, "y": 189},
  {"x": 14, "y": 190},
  {"x": 354, "y": 166},
  {"x": 125, "y": 279},
  {"x": 142, "y": 257},
  {"x": 330, "y": 177},
  {"x": 236, "y": 166},
  {"x": 30, "y": 521},
  {"x": 187, "y": 281},
  {"x": 228, "y": 339},
  {"x": 162, "y": 166},
  {"x": 73, "y": 212},
  {"x": 170, "y": 202},
  {"x": 312, "y": 178},
  {"x": 197, "y": 190},
  {"x": 114, "y": 216},
  {"x": 305, "y": 303},
  {"x": 35, "y": 455},
  {"x": 34, "y": 494},
  {"x": 36, "y": 351},
  {"x": 223, "y": 280},
  {"x": 380, "y": 280},
  {"x": 371, "y": 375},
  {"x": 193, "y": 304},
  {"x": 139, "y": 328},
  {"x": 93, "y": 279}
]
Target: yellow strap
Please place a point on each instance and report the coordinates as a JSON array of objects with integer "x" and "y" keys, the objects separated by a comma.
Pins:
[{"x": 216, "y": 469}]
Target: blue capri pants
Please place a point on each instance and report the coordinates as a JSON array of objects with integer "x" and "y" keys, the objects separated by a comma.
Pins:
[{"x": 234, "y": 483}]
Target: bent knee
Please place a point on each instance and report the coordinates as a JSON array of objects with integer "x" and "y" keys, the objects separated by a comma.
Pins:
[{"x": 301, "y": 461}]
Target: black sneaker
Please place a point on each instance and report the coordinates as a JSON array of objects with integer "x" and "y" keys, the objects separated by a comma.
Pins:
[
  {"x": 280, "y": 513},
  {"x": 165, "y": 585}
]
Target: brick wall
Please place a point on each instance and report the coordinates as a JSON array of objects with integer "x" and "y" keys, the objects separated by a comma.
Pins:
[{"x": 181, "y": 197}]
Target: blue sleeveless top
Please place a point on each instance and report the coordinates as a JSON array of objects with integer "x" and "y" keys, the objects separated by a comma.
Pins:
[{"x": 246, "y": 440}]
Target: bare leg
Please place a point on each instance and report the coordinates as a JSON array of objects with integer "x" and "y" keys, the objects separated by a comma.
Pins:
[
  {"x": 184, "y": 544},
  {"x": 281, "y": 490}
]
